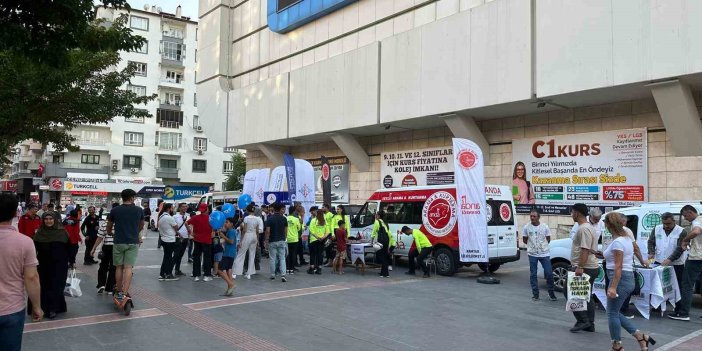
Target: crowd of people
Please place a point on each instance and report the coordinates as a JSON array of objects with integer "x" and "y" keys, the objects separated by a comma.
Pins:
[{"x": 668, "y": 245}]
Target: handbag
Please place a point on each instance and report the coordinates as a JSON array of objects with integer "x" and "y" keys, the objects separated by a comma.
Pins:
[{"x": 72, "y": 285}]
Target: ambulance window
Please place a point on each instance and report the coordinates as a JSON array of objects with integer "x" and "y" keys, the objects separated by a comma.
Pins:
[
  {"x": 499, "y": 213},
  {"x": 403, "y": 212},
  {"x": 366, "y": 216},
  {"x": 632, "y": 222}
]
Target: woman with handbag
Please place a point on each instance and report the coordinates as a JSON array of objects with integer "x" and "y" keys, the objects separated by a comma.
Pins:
[
  {"x": 381, "y": 235},
  {"x": 51, "y": 242},
  {"x": 620, "y": 270}
]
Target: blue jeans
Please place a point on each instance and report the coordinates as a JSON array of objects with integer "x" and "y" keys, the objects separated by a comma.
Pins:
[
  {"x": 616, "y": 319},
  {"x": 548, "y": 274},
  {"x": 692, "y": 272},
  {"x": 11, "y": 328},
  {"x": 276, "y": 251}
]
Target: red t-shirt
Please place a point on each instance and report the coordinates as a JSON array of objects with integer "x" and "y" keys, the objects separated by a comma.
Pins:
[
  {"x": 340, "y": 240},
  {"x": 28, "y": 225},
  {"x": 72, "y": 226},
  {"x": 202, "y": 231}
]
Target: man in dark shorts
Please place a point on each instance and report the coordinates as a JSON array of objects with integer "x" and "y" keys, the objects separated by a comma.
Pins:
[{"x": 127, "y": 221}]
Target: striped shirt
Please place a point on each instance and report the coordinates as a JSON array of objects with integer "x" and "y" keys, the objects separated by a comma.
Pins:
[{"x": 102, "y": 233}]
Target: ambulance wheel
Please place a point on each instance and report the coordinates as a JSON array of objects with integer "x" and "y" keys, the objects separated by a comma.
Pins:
[
  {"x": 446, "y": 262},
  {"x": 493, "y": 267}
]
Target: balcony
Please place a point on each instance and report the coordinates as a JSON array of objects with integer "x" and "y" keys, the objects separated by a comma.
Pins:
[
  {"x": 170, "y": 104},
  {"x": 34, "y": 146},
  {"x": 61, "y": 170},
  {"x": 164, "y": 172},
  {"x": 93, "y": 144},
  {"x": 173, "y": 60},
  {"x": 169, "y": 124},
  {"x": 175, "y": 83},
  {"x": 173, "y": 35}
]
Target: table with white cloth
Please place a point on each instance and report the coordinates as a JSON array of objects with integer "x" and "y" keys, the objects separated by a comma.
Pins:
[
  {"x": 359, "y": 250},
  {"x": 660, "y": 285}
]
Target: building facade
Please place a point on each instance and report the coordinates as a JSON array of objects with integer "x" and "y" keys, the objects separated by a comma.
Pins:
[
  {"x": 370, "y": 79},
  {"x": 169, "y": 149}
]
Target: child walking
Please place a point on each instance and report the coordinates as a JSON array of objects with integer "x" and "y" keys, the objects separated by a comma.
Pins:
[
  {"x": 341, "y": 236},
  {"x": 224, "y": 268}
]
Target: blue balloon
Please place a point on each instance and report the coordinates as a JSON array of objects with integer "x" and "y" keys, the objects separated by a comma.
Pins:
[
  {"x": 228, "y": 210},
  {"x": 217, "y": 220},
  {"x": 243, "y": 201}
]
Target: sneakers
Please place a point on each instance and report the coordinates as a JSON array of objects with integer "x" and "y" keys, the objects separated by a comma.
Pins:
[
  {"x": 197, "y": 279},
  {"x": 534, "y": 297},
  {"x": 310, "y": 271},
  {"x": 678, "y": 316},
  {"x": 190, "y": 260},
  {"x": 207, "y": 278},
  {"x": 272, "y": 277},
  {"x": 161, "y": 278},
  {"x": 318, "y": 271},
  {"x": 552, "y": 297},
  {"x": 179, "y": 274},
  {"x": 101, "y": 290},
  {"x": 629, "y": 316},
  {"x": 171, "y": 278},
  {"x": 581, "y": 326},
  {"x": 248, "y": 276},
  {"x": 282, "y": 279}
]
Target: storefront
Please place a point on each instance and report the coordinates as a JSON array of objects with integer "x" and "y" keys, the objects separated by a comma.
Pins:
[
  {"x": 8, "y": 186},
  {"x": 98, "y": 191}
]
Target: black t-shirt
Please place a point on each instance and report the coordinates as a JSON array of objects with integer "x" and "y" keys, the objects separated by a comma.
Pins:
[
  {"x": 90, "y": 225},
  {"x": 278, "y": 226},
  {"x": 126, "y": 219}
]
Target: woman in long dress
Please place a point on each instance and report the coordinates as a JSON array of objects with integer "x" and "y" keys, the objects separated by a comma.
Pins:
[{"x": 51, "y": 242}]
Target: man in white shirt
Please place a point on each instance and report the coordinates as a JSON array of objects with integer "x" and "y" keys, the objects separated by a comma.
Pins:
[
  {"x": 183, "y": 238},
  {"x": 537, "y": 236},
  {"x": 595, "y": 218},
  {"x": 693, "y": 265},
  {"x": 167, "y": 229}
]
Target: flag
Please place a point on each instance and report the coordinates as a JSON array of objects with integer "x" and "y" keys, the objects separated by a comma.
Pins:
[
  {"x": 289, "y": 162},
  {"x": 470, "y": 193},
  {"x": 326, "y": 181},
  {"x": 260, "y": 185}
]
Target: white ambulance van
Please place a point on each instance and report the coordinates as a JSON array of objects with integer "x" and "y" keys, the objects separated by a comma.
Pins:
[
  {"x": 432, "y": 209},
  {"x": 220, "y": 198}
]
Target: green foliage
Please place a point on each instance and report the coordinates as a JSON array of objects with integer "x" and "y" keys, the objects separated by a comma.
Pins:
[
  {"x": 57, "y": 70},
  {"x": 233, "y": 182}
]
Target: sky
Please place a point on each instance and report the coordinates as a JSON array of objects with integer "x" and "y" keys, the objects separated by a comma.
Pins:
[{"x": 189, "y": 7}]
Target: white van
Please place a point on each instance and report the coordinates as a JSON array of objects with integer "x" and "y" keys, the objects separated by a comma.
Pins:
[
  {"x": 413, "y": 206},
  {"x": 641, "y": 219},
  {"x": 219, "y": 198}
]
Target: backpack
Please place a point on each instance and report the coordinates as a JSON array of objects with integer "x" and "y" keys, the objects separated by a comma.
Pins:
[{"x": 383, "y": 236}]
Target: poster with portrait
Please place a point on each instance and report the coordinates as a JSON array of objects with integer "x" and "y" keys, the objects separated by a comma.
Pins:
[
  {"x": 339, "y": 179},
  {"x": 607, "y": 169},
  {"x": 431, "y": 166}
]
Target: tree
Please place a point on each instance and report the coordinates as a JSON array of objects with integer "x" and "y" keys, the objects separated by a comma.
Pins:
[
  {"x": 234, "y": 179},
  {"x": 57, "y": 70}
]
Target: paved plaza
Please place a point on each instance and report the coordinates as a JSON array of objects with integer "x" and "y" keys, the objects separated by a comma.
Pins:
[{"x": 331, "y": 312}]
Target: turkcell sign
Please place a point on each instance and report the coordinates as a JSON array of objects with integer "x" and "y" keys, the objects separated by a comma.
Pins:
[
  {"x": 286, "y": 15},
  {"x": 182, "y": 192}
]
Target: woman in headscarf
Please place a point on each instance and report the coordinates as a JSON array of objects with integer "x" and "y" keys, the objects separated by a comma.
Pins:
[{"x": 51, "y": 242}]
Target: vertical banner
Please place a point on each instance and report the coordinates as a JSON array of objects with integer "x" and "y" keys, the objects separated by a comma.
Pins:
[
  {"x": 304, "y": 182},
  {"x": 277, "y": 181},
  {"x": 326, "y": 181},
  {"x": 339, "y": 173},
  {"x": 260, "y": 185},
  {"x": 289, "y": 162},
  {"x": 470, "y": 192},
  {"x": 249, "y": 186}
]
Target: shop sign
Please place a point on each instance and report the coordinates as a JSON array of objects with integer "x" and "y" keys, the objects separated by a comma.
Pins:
[
  {"x": 608, "y": 169},
  {"x": 104, "y": 185},
  {"x": 432, "y": 166},
  {"x": 338, "y": 172},
  {"x": 88, "y": 193},
  {"x": 8, "y": 185},
  {"x": 183, "y": 192},
  {"x": 37, "y": 181}
]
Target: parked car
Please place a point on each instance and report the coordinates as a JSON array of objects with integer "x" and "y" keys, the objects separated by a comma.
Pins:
[{"x": 641, "y": 219}]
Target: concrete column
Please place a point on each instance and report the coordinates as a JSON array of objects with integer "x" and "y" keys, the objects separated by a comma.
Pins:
[
  {"x": 273, "y": 153},
  {"x": 465, "y": 127},
  {"x": 680, "y": 117},
  {"x": 352, "y": 149}
]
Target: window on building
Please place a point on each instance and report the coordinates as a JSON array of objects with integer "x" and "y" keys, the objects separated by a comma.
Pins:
[
  {"x": 140, "y": 68},
  {"x": 228, "y": 167},
  {"x": 172, "y": 99},
  {"x": 200, "y": 144},
  {"x": 133, "y": 139},
  {"x": 173, "y": 32},
  {"x": 174, "y": 77},
  {"x": 140, "y": 90},
  {"x": 199, "y": 166},
  {"x": 57, "y": 159},
  {"x": 196, "y": 121},
  {"x": 195, "y": 99},
  {"x": 169, "y": 141},
  {"x": 173, "y": 51},
  {"x": 144, "y": 49},
  {"x": 90, "y": 159},
  {"x": 169, "y": 118},
  {"x": 166, "y": 163},
  {"x": 140, "y": 23},
  {"x": 135, "y": 119},
  {"x": 131, "y": 161}
]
